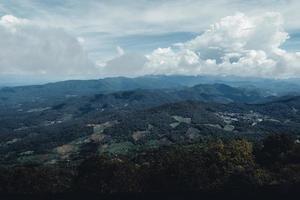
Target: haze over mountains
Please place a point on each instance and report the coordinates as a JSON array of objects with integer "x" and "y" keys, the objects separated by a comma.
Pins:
[
  {"x": 131, "y": 112},
  {"x": 267, "y": 87}
]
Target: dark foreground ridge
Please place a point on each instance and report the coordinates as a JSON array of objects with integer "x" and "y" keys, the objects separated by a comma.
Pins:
[
  {"x": 264, "y": 193},
  {"x": 233, "y": 167}
]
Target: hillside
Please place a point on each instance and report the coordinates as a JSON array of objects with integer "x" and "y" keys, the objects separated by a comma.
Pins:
[
  {"x": 223, "y": 136},
  {"x": 54, "y": 92},
  {"x": 127, "y": 122}
]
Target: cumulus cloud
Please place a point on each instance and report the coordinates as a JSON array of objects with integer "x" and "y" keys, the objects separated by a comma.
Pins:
[
  {"x": 30, "y": 49},
  {"x": 127, "y": 64},
  {"x": 241, "y": 44},
  {"x": 239, "y": 32},
  {"x": 167, "y": 61},
  {"x": 236, "y": 45}
]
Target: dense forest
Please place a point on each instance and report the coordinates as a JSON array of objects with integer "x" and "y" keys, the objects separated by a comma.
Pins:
[{"x": 216, "y": 165}]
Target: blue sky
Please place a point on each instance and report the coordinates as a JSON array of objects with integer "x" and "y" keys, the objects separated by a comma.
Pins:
[{"x": 101, "y": 27}]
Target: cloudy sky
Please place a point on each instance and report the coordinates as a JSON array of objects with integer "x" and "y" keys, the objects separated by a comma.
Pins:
[{"x": 68, "y": 39}]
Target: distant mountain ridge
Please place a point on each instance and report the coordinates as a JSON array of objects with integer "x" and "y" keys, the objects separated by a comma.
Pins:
[{"x": 60, "y": 90}]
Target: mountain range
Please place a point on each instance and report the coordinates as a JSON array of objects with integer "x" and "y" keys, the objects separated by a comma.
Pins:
[{"x": 69, "y": 120}]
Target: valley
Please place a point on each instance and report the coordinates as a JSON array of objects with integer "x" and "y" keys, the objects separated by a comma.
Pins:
[{"x": 47, "y": 131}]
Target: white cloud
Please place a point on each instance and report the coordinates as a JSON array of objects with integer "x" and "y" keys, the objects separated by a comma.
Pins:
[
  {"x": 145, "y": 15},
  {"x": 120, "y": 51},
  {"x": 243, "y": 44},
  {"x": 128, "y": 64},
  {"x": 11, "y": 22},
  {"x": 27, "y": 48},
  {"x": 81, "y": 40},
  {"x": 237, "y": 45},
  {"x": 238, "y": 32},
  {"x": 106, "y": 24},
  {"x": 167, "y": 61}
]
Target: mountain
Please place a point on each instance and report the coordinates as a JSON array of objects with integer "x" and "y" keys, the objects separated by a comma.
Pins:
[
  {"x": 125, "y": 100},
  {"x": 123, "y": 122},
  {"x": 55, "y": 92}
]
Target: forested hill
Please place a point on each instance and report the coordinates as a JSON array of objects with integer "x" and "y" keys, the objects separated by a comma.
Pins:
[{"x": 60, "y": 90}]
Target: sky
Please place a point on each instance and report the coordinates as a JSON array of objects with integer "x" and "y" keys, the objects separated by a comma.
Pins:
[{"x": 75, "y": 39}]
